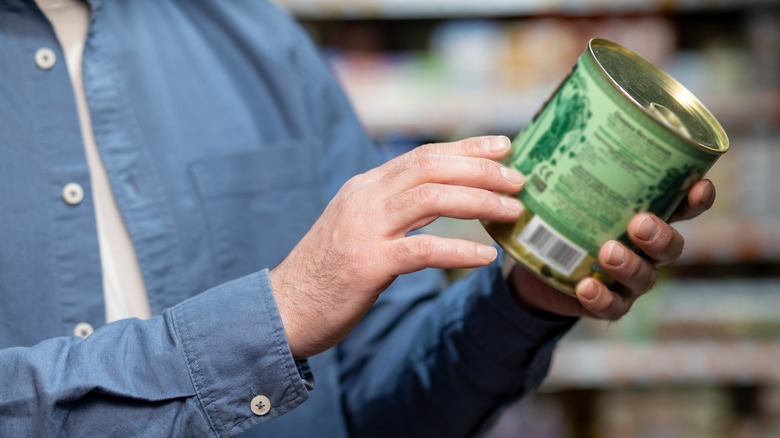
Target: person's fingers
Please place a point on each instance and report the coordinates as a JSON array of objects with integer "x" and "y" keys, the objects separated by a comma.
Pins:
[
  {"x": 494, "y": 147},
  {"x": 419, "y": 251},
  {"x": 657, "y": 239},
  {"x": 601, "y": 302},
  {"x": 700, "y": 198},
  {"x": 423, "y": 204},
  {"x": 421, "y": 168},
  {"x": 635, "y": 273},
  {"x": 491, "y": 148}
]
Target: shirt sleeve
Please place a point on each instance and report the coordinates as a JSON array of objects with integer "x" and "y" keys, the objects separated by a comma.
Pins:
[
  {"x": 428, "y": 363},
  {"x": 213, "y": 365}
]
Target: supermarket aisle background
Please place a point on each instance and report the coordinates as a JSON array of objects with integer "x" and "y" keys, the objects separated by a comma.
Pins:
[{"x": 700, "y": 356}]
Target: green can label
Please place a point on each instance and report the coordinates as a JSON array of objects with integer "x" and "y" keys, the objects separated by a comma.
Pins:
[{"x": 592, "y": 160}]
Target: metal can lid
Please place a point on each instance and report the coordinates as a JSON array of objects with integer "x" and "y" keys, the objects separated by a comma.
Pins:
[{"x": 659, "y": 95}]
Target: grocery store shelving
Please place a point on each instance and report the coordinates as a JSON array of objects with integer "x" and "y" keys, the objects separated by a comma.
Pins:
[
  {"x": 386, "y": 106},
  {"x": 607, "y": 363},
  {"x": 414, "y": 9},
  {"x": 687, "y": 332}
]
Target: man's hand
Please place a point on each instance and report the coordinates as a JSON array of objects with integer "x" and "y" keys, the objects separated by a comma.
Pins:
[
  {"x": 361, "y": 243},
  {"x": 660, "y": 243}
]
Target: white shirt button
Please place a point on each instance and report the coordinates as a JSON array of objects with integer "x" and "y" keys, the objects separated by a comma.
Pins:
[
  {"x": 45, "y": 58},
  {"x": 83, "y": 330},
  {"x": 260, "y": 405},
  {"x": 73, "y": 194}
]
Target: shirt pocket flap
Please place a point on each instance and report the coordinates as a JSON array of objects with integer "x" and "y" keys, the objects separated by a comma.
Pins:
[
  {"x": 283, "y": 166},
  {"x": 257, "y": 205}
]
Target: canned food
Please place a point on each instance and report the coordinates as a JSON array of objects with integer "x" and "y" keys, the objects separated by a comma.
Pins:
[{"x": 619, "y": 136}]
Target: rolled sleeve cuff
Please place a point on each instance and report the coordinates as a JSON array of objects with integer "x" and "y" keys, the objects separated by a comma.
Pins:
[{"x": 238, "y": 356}]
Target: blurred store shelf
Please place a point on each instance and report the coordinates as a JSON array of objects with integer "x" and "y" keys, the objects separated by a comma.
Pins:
[
  {"x": 448, "y": 113},
  {"x": 609, "y": 363},
  {"x": 395, "y": 9},
  {"x": 696, "y": 331}
]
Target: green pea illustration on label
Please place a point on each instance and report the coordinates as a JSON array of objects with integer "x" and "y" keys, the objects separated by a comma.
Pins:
[{"x": 617, "y": 137}]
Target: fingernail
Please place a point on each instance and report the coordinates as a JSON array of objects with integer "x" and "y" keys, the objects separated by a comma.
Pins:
[
  {"x": 707, "y": 194},
  {"x": 588, "y": 290},
  {"x": 513, "y": 175},
  {"x": 616, "y": 255},
  {"x": 646, "y": 229},
  {"x": 511, "y": 204},
  {"x": 487, "y": 253},
  {"x": 497, "y": 144}
]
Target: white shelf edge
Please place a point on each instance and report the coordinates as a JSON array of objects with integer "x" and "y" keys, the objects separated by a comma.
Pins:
[{"x": 606, "y": 363}]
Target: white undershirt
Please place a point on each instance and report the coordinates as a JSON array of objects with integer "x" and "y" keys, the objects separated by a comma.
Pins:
[{"x": 123, "y": 287}]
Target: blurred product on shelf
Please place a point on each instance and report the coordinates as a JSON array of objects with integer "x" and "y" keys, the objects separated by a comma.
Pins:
[
  {"x": 744, "y": 224},
  {"x": 470, "y": 52},
  {"x": 763, "y": 40},
  {"x": 477, "y": 76},
  {"x": 701, "y": 411},
  {"x": 733, "y": 308},
  {"x": 689, "y": 413},
  {"x": 697, "y": 309},
  {"x": 543, "y": 416},
  {"x": 610, "y": 364}
]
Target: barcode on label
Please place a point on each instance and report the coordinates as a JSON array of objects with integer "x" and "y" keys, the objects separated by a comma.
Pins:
[{"x": 550, "y": 247}]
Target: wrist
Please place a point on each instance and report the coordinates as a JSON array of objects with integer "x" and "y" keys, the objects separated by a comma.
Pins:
[{"x": 287, "y": 311}]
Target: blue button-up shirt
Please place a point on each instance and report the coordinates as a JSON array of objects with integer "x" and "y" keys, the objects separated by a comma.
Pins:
[{"x": 223, "y": 135}]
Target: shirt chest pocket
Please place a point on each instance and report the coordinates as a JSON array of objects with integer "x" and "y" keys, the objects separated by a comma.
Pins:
[{"x": 257, "y": 205}]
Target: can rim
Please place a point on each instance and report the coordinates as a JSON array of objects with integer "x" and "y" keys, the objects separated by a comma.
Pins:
[{"x": 719, "y": 134}]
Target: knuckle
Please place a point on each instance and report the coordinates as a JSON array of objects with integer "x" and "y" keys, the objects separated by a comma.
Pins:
[
  {"x": 674, "y": 254},
  {"x": 492, "y": 204},
  {"x": 356, "y": 260},
  {"x": 402, "y": 202},
  {"x": 351, "y": 198},
  {"x": 487, "y": 167},
  {"x": 604, "y": 310},
  {"x": 617, "y": 313},
  {"x": 419, "y": 248},
  {"x": 425, "y": 148},
  {"x": 343, "y": 205},
  {"x": 665, "y": 237},
  {"x": 668, "y": 248},
  {"x": 398, "y": 166},
  {"x": 339, "y": 205},
  {"x": 427, "y": 161},
  {"x": 479, "y": 144},
  {"x": 474, "y": 145},
  {"x": 647, "y": 281},
  {"x": 426, "y": 195},
  {"x": 677, "y": 245},
  {"x": 616, "y": 309},
  {"x": 353, "y": 183},
  {"x": 632, "y": 267}
]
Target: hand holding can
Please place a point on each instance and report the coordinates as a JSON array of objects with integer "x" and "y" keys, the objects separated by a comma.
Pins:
[{"x": 618, "y": 137}]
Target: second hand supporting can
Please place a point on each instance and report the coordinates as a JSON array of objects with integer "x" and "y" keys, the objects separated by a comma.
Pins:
[{"x": 619, "y": 136}]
